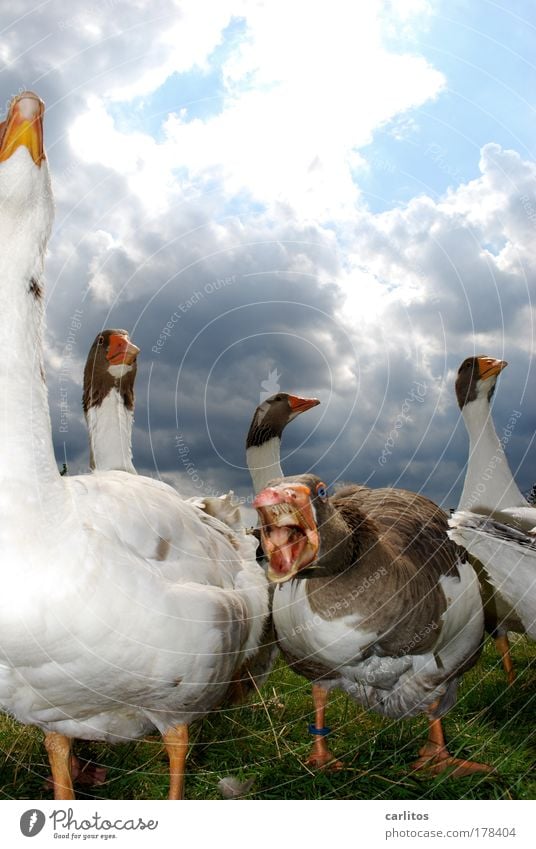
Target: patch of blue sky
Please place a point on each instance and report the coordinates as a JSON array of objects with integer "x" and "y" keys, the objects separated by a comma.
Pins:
[
  {"x": 486, "y": 53},
  {"x": 427, "y": 156},
  {"x": 197, "y": 94}
]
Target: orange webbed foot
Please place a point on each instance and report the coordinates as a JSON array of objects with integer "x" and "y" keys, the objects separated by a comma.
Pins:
[
  {"x": 435, "y": 760},
  {"x": 320, "y": 756}
]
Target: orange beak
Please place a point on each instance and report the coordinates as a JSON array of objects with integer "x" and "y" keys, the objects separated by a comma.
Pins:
[
  {"x": 23, "y": 126},
  {"x": 121, "y": 350},
  {"x": 300, "y": 405},
  {"x": 489, "y": 367}
]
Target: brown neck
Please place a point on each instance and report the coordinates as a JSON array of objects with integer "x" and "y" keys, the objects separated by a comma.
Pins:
[{"x": 347, "y": 537}]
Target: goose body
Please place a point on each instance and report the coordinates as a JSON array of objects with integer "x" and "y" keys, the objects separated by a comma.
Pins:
[
  {"x": 373, "y": 597},
  {"x": 509, "y": 556},
  {"x": 489, "y": 490},
  {"x": 106, "y": 631},
  {"x": 126, "y": 643}
]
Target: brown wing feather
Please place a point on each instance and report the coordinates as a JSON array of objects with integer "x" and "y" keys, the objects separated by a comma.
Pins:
[{"x": 393, "y": 585}]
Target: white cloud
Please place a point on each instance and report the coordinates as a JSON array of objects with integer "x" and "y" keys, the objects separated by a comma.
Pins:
[
  {"x": 306, "y": 86},
  {"x": 451, "y": 277}
]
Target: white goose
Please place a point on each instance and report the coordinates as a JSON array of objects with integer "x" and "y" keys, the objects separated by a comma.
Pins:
[
  {"x": 373, "y": 599},
  {"x": 104, "y": 635},
  {"x": 490, "y": 504}
]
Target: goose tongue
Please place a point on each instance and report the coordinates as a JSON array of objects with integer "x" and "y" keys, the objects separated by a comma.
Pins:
[{"x": 283, "y": 552}]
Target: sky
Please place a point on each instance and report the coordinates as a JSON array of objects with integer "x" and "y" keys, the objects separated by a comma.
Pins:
[{"x": 334, "y": 199}]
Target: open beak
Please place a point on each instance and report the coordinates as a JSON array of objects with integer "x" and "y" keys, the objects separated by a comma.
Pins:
[
  {"x": 489, "y": 367},
  {"x": 121, "y": 350},
  {"x": 300, "y": 405},
  {"x": 23, "y": 126},
  {"x": 289, "y": 534}
]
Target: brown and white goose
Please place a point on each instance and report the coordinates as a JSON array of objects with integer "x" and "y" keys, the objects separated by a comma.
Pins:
[
  {"x": 263, "y": 457},
  {"x": 490, "y": 489},
  {"x": 375, "y": 600},
  {"x": 105, "y": 632},
  {"x": 108, "y": 400}
]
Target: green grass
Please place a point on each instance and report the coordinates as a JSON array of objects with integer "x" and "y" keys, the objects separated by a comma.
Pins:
[{"x": 267, "y": 739}]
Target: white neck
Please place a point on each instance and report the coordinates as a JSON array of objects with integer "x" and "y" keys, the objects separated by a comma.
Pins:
[
  {"x": 110, "y": 434},
  {"x": 29, "y": 474},
  {"x": 489, "y": 484},
  {"x": 264, "y": 463}
]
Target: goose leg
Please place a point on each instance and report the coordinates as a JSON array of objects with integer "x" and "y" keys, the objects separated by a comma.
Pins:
[
  {"x": 434, "y": 757},
  {"x": 321, "y": 757},
  {"x": 176, "y": 743},
  {"x": 58, "y": 747},
  {"x": 502, "y": 644}
]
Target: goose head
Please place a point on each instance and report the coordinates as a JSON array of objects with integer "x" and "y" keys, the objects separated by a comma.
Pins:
[
  {"x": 26, "y": 203},
  {"x": 274, "y": 414},
  {"x": 476, "y": 379},
  {"x": 263, "y": 443},
  {"x": 111, "y": 363},
  {"x": 301, "y": 531}
]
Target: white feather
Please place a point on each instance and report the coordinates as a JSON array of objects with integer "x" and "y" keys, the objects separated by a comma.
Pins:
[{"x": 509, "y": 556}]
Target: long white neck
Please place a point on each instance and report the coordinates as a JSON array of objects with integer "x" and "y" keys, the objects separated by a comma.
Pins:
[
  {"x": 264, "y": 463},
  {"x": 489, "y": 484},
  {"x": 29, "y": 476},
  {"x": 110, "y": 434}
]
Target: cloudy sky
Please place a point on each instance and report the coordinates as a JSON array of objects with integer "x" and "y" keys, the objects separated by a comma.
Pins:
[{"x": 333, "y": 198}]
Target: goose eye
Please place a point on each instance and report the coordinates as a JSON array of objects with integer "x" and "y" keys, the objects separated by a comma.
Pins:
[{"x": 322, "y": 490}]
